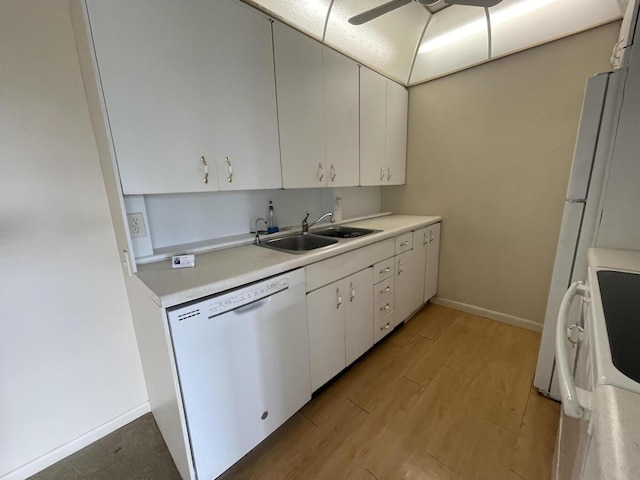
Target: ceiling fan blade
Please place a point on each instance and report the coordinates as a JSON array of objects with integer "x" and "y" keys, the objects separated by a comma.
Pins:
[
  {"x": 474, "y": 3},
  {"x": 377, "y": 11}
]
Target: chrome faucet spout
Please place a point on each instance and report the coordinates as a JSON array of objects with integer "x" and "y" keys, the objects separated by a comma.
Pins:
[{"x": 306, "y": 225}]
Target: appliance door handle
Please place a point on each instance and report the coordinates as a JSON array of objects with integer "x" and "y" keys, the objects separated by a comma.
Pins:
[{"x": 570, "y": 398}]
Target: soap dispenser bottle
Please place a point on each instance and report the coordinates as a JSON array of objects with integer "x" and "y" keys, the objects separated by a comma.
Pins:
[{"x": 272, "y": 220}]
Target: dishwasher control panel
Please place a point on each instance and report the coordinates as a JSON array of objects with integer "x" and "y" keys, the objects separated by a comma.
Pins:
[{"x": 245, "y": 296}]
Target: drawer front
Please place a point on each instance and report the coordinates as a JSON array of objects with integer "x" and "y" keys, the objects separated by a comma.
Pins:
[
  {"x": 383, "y": 308},
  {"x": 404, "y": 242},
  {"x": 383, "y": 327},
  {"x": 382, "y": 291},
  {"x": 383, "y": 270}
]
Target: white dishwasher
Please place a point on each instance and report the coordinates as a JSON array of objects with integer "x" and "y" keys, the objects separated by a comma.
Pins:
[{"x": 243, "y": 365}]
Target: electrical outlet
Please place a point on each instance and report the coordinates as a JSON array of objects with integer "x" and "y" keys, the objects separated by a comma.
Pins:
[{"x": 137, "y": 228}]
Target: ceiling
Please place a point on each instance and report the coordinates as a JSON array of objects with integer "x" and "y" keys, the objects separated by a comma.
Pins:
[{"x": 412, "y": 45}]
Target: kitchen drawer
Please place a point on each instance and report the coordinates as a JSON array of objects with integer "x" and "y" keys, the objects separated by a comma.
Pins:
[
  {"x": 382, "y": 327},
  {"x": 384, "y": 290},
  {"x": 383, "y": 270},
  {"x": 383, "y": 308},
  {"x": 404, "y": 242}
]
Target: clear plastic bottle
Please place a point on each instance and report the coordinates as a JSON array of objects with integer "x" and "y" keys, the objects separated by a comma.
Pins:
[{"x": 272, "y": 220}]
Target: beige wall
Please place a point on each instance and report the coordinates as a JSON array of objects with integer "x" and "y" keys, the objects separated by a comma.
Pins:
[{"x": 490, "y": 150}]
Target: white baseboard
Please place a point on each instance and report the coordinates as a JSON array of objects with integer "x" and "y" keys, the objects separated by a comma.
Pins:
[
  {"x": 483, "y": 312},
  {"x": 76, "y": 444}
]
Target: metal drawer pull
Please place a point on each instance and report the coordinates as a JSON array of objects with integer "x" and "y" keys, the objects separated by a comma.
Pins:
[
  {"x": 386, "y": 307},
  {"x": 386, "y": 270},
  {"x": 400, "y": 267},
  {"x": 381, "y": 173},
  {"x": 353, "y": 293},
  {"x": 386, "y": 327},
  {"x": 339, "y": 295},
  {"x": 388, "y": 174},
  {"x": 206, "y": 170},
  {"x": 320, "y": 172},
  {"x": 333, "y": 172},
  {"x": 385, "y": 290},
  {"x": 230, "y": 170},
  {"x": 405, "y": 243},
  {"x": 425, "y": 239}
]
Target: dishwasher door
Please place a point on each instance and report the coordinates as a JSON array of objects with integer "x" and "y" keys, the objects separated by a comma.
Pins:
[{"x": 242, "y": 360}]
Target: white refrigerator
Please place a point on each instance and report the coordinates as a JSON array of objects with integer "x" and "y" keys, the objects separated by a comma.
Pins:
[{"x": 582, "y": 208}]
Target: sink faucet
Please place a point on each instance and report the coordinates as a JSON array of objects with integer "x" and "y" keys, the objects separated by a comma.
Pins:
[
  {"x": 305, "y": 224},
  {"x": 257, "y": 239}
]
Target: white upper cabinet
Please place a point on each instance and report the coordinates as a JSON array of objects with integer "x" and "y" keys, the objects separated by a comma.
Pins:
[
  {"x": 318, "y": 112},
  {"x": 178, "y": 103},
  {"x": 373, "y": 113},
  {"x": 396, "y": 133},
  {"x": 383, "y": 130},
  {"x": 341, "y": 119},
  {"x": 243, "y": 97},
  {"x": 298, "y": 65}
]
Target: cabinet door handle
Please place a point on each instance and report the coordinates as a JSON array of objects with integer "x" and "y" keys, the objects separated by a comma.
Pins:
[
  {"x": 229, "y": 170},
  {"x": 320, "y": 172},
  {"x": 385, "y": 290},
  {"x": 430, "y": 236},
  {"x": 381, "y": 173},
  {"x": 353, "y": 293},
  {"x": 405, "y": 243},
  {"x": 386, "y": 307},
  {"x": 333, "y": 172},
  {"x": 206, "y": 170},
  {"x": 386, "y": 327},
  {"x": 400, "y": 267},
  {"x": 388, "y": 174},
  {"x": 339, "y": 299},
  {"x": 385, "y": 270},
  {"x": 426, "y": 239}
]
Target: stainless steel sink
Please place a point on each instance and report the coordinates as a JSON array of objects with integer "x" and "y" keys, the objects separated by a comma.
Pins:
[
  {"x": 299, "y": 243},
  {"x": 345, "y": 232}
]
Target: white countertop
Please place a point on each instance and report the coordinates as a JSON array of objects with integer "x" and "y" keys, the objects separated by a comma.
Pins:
[
  {"x": 617, "y": 439},
  {"x": 228, "y": 268}
]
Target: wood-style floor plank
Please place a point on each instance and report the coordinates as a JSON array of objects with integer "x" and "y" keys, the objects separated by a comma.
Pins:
[{"x": 446, "y": 397}]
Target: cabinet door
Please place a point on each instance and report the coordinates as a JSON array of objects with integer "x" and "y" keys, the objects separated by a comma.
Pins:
[
  {"x": 150, "y": 56},
  {"x": 325, "y": 309},
  {"x": 298, "y": 65},
  {"x": 341, "y": 102},
  {"x": 409, "y": 284},
  {"x": 373, "y": 114},
  {"x": 396, "y": 133},
  {"x": 243, "y": 96},
  {"x": 431, "y": 268},
  {"x": 358, "y": 314}
]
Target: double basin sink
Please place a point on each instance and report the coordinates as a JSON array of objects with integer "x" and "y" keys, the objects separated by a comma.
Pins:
[{"x": 301, "y": 243}]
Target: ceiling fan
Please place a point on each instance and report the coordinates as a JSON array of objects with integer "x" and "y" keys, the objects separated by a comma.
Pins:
[{"x": 393, "y": 4}]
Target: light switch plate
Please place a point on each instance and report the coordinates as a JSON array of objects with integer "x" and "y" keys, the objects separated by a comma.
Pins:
[{"x": 183, "y": 261}]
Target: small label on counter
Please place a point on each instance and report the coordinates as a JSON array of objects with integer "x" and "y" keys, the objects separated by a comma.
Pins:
[{"x": 183, "y": 261}]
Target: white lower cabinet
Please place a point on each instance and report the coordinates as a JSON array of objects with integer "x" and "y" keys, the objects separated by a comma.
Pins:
[
  {"x": 432, "y": 243},
  {"x": 340, "y": 317},
  {"x": 409, "y": 282}
]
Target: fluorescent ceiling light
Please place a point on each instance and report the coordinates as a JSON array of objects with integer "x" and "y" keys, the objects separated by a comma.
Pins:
[{"x": 503, "y": 15}]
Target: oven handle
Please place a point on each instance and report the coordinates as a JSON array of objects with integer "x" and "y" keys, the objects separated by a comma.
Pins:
[{"x": 571, "y": 403}]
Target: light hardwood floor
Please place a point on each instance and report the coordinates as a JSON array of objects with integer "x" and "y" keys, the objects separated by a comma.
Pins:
[{"x": 447, "y": 396}]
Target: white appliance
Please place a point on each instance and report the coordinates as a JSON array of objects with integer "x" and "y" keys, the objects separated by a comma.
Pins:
[
  {"x": 603, "y": 192},
  {"x": 243, "y": 366},
  {"x": 604, "y": 330},
  {"x": 581, "y": 211}
]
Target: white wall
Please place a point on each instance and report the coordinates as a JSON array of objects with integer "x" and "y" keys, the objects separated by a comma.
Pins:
[
  {"x": 176, "y": 219},
  {"x": 69, "y": 363}
]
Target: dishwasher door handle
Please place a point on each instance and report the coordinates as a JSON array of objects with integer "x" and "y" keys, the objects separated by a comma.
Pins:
[{"x": 252, "y": 306}]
